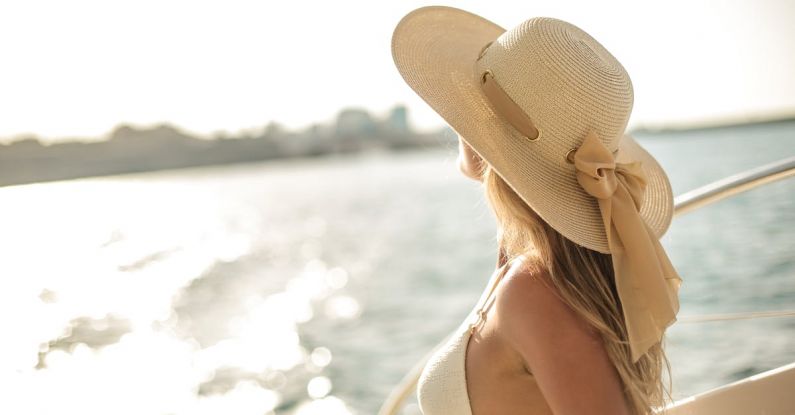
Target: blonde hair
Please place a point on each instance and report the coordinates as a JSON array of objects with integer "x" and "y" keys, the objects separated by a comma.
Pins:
[{"x": 585, "y": 281}]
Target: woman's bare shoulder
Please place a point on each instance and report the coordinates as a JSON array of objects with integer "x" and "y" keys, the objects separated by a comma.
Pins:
[
  {"x": 527, "y": 297},
  {"x": 565, "y": 355}
]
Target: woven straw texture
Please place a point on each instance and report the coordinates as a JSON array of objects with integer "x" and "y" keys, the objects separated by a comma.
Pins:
[{"x": 565, "y": 81}]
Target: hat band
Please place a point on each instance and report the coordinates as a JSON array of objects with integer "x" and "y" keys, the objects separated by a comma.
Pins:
[{"x": 507, "y": 108}]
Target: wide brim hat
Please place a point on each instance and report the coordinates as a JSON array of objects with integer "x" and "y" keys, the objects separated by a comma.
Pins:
[{"x": 566, "y": 82}]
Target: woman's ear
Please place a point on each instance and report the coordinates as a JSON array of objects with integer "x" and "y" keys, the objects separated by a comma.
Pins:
[{"x": 469, "y": 162}]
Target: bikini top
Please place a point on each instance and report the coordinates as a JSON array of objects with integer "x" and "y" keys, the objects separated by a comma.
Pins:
[{"x": 441, "y": 387}]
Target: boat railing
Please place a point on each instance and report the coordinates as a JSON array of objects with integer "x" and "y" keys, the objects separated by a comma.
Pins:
[{"x": 684, "y": 203}]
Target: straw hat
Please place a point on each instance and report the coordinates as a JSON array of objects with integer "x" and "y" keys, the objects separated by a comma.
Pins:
[
  {"x": 565, "y": 81},
  {"x": 546, "y": 105}
]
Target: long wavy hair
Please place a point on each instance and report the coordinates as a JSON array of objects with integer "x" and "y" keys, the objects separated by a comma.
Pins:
[{"x": 585, "y": 280}]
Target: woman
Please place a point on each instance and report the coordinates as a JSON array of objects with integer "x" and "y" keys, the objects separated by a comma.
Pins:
[{"x": 573, "y": 318}]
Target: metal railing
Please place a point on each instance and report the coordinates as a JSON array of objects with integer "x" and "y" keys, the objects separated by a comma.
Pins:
[{"x": 686, "y": 202}]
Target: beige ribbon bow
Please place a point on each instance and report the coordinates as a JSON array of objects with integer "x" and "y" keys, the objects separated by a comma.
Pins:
[{"x": 647, "y": 283}]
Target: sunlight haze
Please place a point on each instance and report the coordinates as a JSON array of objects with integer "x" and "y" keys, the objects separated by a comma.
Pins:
[{"x": 77, "y": 69}]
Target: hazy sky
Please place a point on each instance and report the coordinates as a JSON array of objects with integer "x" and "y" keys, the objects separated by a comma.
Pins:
[{"x": 77, "y": 68}]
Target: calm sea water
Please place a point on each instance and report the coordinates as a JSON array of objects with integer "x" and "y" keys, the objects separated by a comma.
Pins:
[{"x": 311, "y": 287}]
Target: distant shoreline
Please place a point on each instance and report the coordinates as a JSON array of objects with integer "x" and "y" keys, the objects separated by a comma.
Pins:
[
  {"x": 164, "y": 147},
  {"x": 129, "y": 149},
  {"x": 714, "y": 125}
]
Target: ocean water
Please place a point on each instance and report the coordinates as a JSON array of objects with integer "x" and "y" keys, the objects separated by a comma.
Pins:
[{"x": 312, "y": 286}]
